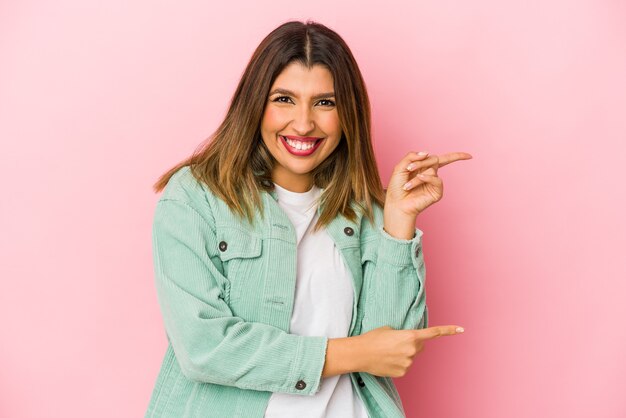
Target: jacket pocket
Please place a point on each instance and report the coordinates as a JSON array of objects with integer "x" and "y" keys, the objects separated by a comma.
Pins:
[{"x": 240, "y": 252}]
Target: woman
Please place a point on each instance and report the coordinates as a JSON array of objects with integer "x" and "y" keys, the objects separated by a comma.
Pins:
[{"x": 286, "y": 289}]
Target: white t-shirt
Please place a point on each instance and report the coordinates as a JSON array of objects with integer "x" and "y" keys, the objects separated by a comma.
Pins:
[{"x": 322, "y": 306}]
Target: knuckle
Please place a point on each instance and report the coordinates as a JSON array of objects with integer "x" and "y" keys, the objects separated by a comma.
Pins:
[{"x": 400, "y": 166}]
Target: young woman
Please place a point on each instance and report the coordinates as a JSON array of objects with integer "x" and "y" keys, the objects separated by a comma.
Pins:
[{"x": 291, "y": 283}]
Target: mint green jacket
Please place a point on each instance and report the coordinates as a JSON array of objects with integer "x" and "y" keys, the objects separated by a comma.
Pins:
[{"x": 226, "y": 293}]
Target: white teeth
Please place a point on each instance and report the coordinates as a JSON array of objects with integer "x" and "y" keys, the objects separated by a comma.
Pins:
[{"x": 300, "y": 145}]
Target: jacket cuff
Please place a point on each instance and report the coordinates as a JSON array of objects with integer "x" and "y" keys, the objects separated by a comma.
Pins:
[
  {"x": 399, "y": 252},
  {"x": 306, "y": 375}
]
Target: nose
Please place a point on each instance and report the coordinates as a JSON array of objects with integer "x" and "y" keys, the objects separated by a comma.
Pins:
[{"x": 303, "y": 122}]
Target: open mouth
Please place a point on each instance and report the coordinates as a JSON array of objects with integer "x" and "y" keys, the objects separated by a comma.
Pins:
[{"x": 301, "y": 148}]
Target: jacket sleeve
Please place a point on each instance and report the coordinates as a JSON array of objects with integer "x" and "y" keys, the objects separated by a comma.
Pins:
[
  {"x": 394, "y": 292},
  {"x": 210, "y": 344}
]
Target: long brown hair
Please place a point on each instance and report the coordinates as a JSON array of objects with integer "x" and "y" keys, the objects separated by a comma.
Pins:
[{"x": 235, "y": 163}]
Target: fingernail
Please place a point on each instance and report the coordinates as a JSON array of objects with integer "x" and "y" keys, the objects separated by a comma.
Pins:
[
  {"x": 422, "y": 153},
  {"x": 410, "y": 167},
  {"x": 406, "y": 186},
  {"x": 459, "y": 329}
]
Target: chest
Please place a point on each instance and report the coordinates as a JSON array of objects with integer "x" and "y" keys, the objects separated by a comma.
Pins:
[{"x": 261, "y": 264}]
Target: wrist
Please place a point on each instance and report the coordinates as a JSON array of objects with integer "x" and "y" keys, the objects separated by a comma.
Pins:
[
  {"x": 398, "y": 225},
  {"x": 343, "y": 355},
  {"x": 359, "y": 358}
]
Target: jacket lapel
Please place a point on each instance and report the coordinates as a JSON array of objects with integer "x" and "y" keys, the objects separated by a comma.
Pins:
[{"x": 346, "y": 235}]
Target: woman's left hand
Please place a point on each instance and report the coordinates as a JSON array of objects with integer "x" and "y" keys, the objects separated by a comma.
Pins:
[{"x": 414, "y": 186}]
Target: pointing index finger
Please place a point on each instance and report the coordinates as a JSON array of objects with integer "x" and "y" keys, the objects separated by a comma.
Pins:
[
  {"x": 438, "y": 331},
  {"x": 452, "y": 157}
]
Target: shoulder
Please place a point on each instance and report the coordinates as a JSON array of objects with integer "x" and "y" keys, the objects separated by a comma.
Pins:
[{"x": 184, "y": 187}]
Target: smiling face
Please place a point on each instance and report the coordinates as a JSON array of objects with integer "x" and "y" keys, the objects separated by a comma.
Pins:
[{"x": 300, "y": 125}]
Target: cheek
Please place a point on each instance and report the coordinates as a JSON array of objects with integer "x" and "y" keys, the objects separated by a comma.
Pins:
[
  {"x": 331, "y": 123},
  {"x": 272, "y": 118}
]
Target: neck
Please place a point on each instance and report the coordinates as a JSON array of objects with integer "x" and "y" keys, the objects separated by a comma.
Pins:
[{"x": 298, "y": 183}]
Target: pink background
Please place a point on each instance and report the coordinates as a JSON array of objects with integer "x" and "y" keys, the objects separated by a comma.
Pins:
[{"x": 525, "y": 250}]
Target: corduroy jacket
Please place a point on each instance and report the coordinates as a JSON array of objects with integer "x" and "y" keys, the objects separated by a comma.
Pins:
[{"x": 226, "y": 292}]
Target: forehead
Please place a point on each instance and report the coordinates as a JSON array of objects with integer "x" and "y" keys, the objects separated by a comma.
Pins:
[{"x": 301, "y": 80}]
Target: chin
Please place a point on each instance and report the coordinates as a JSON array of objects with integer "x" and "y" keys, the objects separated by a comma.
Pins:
[{"x": 300, "y": 170}]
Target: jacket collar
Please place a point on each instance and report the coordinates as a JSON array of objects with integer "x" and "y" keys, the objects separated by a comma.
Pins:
[{"x": 336, "y": 228}]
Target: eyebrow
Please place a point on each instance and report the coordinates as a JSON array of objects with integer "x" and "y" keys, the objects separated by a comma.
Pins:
[{"x": 291, "y": 93}]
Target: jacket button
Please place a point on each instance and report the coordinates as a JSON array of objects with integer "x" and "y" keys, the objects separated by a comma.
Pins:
[
  {"x": 300, "y": 385},
  {"x": 348, "y": 231},
  {"x": 223, "y": 246},
  {"x": 360, "y": 382}
]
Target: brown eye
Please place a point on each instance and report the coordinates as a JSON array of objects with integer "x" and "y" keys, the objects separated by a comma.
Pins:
[
  {"x": 281, "y": 97},
  {"x": 330, "y": 102}
]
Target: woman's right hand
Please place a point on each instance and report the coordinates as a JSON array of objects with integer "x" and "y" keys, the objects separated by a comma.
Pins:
[{"x": 388, "y": 352}]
